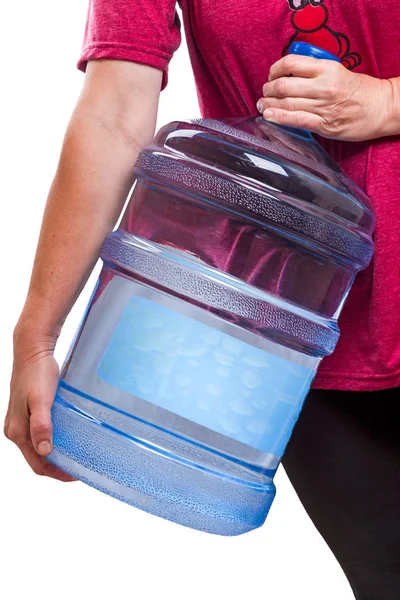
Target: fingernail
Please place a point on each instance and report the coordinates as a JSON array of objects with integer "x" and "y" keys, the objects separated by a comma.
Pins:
[
  {"x": 267, "y": 114},
  {"x": 44, "y": 448},
  {"x": 260, "y": 107}
]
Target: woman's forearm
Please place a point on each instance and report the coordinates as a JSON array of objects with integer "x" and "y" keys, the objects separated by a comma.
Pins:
[{"x": 113, "y": 120}]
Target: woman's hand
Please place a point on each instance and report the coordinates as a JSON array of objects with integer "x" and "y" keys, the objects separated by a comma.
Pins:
[
  {"x": 28, "y": 421},
  {"x": 324, "y": 97}
]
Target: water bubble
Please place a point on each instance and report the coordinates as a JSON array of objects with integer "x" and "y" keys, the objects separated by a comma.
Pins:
[
  {"x": 232, "y": 345},
  {"x": 256, "y": 359},
  {"x": 251, "y": 379},
  {"x": 145, "y": 344},
  {"x": 145, "y": 386},
  {"x": 223, "y": 372},
  {"x": 287, "y": 398},
  {"x": 213, "y": 389},
  {"x": 202, "y": 405},
  {"x": 163, "y": 364},
  {"x": 192, "y": 351},
  {"x": 211, "y": 337},
  {"x": 183, "y": 381},
  {"x": 223, "y": 359},
  {"x": 256, "y": 426},
  {"x": 230, "y": 425},
  {"x": 193, "y": 363},
  {"x": 241, "y": 407},
  {"x": 259, "y": 404}
]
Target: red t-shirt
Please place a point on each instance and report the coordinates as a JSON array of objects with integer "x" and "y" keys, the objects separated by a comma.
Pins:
[{"x": 232, "y": 44}]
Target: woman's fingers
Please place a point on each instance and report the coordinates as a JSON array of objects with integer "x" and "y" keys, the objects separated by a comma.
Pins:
[
  {"x": 297, "y": 66},
  {"x": 290, "y": 104},
  {"x": 294, "y": 87},
  {"x": 40, "y": 465},
  {"x": 40, "y": 420},
  {"x": 18, "y": 432},
  {"x": 297, "y": 118}
]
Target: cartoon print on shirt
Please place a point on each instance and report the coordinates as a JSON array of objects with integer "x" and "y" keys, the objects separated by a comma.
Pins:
[{"x": 310, "y": 21}]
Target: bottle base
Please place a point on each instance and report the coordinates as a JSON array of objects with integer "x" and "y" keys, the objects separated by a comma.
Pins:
[{"x": 147, "y": 477}]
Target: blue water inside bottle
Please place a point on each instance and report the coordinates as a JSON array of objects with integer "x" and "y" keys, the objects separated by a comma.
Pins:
[{"x": 218, "y": 299}]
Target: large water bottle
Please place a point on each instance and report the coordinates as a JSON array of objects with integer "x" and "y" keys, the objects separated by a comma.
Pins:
[{"x": 218, "y": 298}]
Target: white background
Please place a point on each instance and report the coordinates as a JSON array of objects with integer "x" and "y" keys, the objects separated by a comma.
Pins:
[{"x": 67, "y": 540}]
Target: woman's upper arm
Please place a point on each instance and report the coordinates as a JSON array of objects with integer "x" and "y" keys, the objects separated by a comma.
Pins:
[
  {"x": 126, "y": 51},
  {"x": 123, "y": 96}
]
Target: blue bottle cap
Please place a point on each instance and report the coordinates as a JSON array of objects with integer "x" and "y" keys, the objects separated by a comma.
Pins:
[{"x": 305, "y": 49}]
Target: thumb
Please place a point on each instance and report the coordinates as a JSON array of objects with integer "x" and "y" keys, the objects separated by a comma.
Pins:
[{"x": 40, "y": 402}]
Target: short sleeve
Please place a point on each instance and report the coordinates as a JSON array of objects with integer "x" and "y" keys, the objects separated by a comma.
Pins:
[{"x": 143, "y": 31}]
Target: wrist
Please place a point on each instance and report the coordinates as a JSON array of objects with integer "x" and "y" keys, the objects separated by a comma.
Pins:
[
  {"x": 34, "y": 333},
  {"x": 29, "y": 348},
  {"x": 391, "y": 108},
  {"x": 41, "y": 316},
  {"x": 30, "y": 344}
]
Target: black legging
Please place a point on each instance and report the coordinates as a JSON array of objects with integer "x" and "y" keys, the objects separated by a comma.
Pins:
[{"x": 344, "y": 462}]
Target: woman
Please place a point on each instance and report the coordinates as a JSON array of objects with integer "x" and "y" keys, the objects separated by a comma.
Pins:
[{"x": 344, "y": 455}]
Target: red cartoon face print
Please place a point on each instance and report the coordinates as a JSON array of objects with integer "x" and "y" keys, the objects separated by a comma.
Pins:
[{"x": 310, "y": 19}]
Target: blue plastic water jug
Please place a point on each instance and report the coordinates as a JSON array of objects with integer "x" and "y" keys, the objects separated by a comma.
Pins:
[{"x": 218, "y": 298}]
